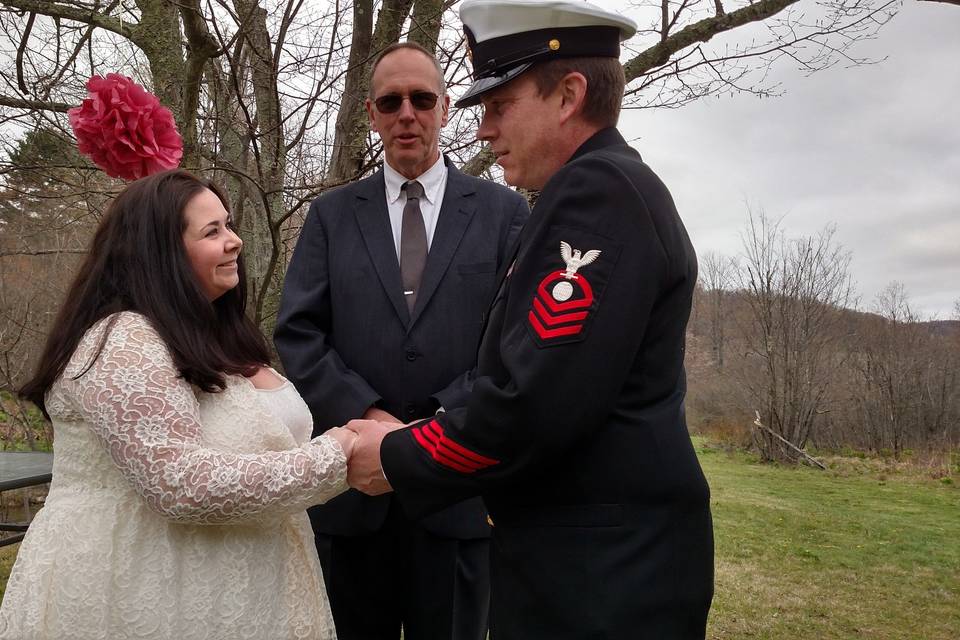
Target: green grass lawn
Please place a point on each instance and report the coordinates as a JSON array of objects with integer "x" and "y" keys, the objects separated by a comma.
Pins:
[{"x": 803, "y": 553}]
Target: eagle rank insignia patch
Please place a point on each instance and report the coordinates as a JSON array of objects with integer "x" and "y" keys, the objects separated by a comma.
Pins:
[{"x": 562, "y": 302}]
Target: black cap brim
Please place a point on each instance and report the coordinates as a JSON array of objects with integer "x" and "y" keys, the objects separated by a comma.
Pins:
[{"x": 472, "y": 96}]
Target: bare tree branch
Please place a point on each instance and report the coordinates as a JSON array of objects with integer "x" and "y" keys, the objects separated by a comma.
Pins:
[
  {"x": 702, "y": 31},
  {"x": 23, "y": 47},
  {"x": 73, "y": 56},
  {"x": 60, "y": 10},
  {"x": 20, "y": 103},
  {"x": 43, "y": 252}
]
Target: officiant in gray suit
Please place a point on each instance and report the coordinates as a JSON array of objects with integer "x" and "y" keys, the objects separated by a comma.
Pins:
[{"x": 381, "y": 315}]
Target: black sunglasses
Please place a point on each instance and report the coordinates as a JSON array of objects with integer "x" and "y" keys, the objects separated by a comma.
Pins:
[{"x": 421, "y": 101}]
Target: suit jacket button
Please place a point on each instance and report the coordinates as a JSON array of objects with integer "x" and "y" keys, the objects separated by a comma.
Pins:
[
  {"x": 411, "y": 355},
  {"x": 411, "y": 410}
]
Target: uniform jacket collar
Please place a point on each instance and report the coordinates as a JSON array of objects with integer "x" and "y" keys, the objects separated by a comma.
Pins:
[{"x": 608, "y": 137}]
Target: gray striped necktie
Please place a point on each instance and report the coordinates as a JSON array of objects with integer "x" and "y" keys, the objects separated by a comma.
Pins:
[{"x": 413, "y": 243}]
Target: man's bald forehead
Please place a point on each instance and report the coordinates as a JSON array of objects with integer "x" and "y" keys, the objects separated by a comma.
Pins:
[{"x": 411, "y": 46}]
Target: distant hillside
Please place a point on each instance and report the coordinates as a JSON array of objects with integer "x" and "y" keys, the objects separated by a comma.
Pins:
[
  {"x": 944, "y": 327},
  {"x": 736, "y": 307}
]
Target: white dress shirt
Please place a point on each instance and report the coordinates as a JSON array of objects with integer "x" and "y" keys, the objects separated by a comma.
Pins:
[{"x": 434, "y": 183}]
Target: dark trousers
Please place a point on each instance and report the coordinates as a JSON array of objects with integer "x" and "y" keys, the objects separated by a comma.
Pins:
[{"x": 436, "y": 588}]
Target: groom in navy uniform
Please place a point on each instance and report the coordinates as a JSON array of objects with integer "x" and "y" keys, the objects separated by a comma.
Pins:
[
  {"x": 381, "y": 315},
  {"x": 574, "y": 433}
]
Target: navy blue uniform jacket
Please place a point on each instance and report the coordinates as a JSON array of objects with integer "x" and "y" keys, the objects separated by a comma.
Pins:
[{"x": 574, "y": 433}]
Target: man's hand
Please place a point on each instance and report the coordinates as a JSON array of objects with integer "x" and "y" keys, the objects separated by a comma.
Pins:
[
  {"x": 364, "y": 472},
  {"x": 380, "y": 415}
]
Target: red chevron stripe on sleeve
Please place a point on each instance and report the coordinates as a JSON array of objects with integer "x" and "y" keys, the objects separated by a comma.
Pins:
[
  {"x": 546, "y": 334},
  {"x": 552, "y": 320},
  {"x": 445, "y": 451}
]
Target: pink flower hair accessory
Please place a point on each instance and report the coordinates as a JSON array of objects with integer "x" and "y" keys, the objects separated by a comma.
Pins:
[{"x": 124, "y": 129}]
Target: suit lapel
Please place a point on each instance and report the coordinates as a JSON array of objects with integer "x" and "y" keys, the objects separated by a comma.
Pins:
[
  {"x": 374, "y": 222},
  {"x": 455, "y": 213}
]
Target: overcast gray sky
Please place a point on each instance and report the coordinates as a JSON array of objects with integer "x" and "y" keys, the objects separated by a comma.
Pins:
[{"x": 874, "y": 149}]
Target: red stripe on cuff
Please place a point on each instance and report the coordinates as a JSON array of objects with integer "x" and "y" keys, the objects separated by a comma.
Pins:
[
  {"x": 475, "y": 458},
  {"x": 453, "y": 464},
  {"x": 430, "y": 435},
  {"x": 434, "y": 428},
  {"x": 444, "y": 449},
  {"x": 428, "y": 446},
  {"x": 471, "y": 457},
  {"x": 442, "y": 457}
]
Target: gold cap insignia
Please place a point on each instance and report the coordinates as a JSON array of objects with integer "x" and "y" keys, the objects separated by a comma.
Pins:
[{"x": 554, "y": 44}]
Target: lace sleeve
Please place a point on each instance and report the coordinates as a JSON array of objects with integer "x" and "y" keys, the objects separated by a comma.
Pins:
[{"x": 146, "y": 418}]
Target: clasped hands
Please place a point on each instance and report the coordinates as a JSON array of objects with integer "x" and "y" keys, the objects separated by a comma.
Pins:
[{"x": 360, "y": 440}]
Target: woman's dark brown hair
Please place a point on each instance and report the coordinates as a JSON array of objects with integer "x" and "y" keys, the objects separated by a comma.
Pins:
[{"x": 137, "y": 262}]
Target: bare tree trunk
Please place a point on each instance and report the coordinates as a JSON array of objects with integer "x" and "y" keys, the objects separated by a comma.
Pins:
[
  {"x": 261, "y": 231},
  {"x": 352, "y": 127},
  {"x": 715, "y": 274},
  {"x": 425, "y": 23},
  {"x": 349, "y": 147},
  {"x": 158, "y": 36}
]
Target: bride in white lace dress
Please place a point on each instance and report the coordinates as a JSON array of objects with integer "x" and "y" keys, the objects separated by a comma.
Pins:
[{"x": 174, "y": 512}]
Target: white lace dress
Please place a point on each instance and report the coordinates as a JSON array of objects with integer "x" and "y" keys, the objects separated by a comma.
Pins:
[{"x": 172, "y": 514}]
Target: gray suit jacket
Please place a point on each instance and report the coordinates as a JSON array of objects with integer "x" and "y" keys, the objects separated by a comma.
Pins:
[{"x": 347, "y": 341}]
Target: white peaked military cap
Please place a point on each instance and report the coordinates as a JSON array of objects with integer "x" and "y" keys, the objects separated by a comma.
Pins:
[{"x": 507, "y": 36}]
